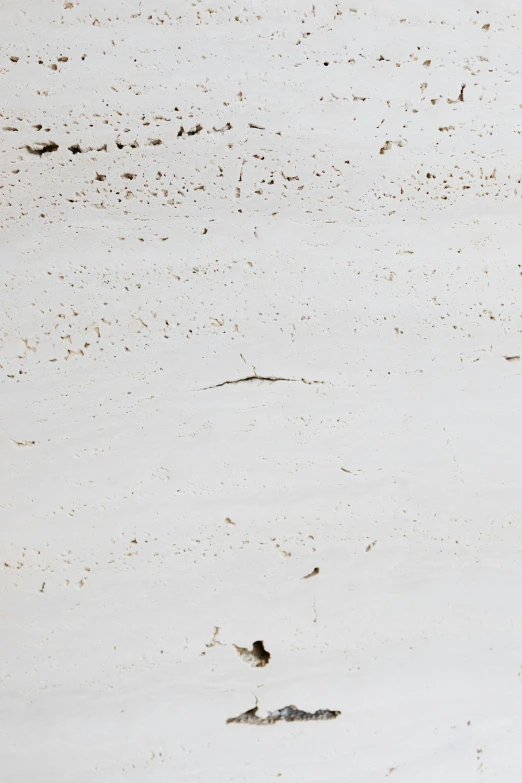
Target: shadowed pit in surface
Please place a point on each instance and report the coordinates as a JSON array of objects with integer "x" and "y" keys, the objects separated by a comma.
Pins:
[
  {"x": 257, "y": 656},
  {"x": 288, "y": 714}
]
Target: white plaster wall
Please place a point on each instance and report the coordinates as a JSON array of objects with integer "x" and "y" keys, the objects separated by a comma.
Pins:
[{"x": 307, "y": 198}]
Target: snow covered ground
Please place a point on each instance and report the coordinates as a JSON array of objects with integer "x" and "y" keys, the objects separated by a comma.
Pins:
[{"x": 196, "y": 196}]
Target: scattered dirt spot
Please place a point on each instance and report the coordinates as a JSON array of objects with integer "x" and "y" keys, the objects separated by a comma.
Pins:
[
  {"x": 460, "y": 98},
  {"x": 389, "y": 144},
  {"x": 214, "y": 641},
  {"x": 20, "y": 443},
  {"x": 132, "y": 144},
  {"x": 312, "y": 573},
  {"x": 192, "y": 132},
  {"x": 226, "y": 127},
  {"x": 370, "y": 546},
  {"x": 512, "y": 358}
]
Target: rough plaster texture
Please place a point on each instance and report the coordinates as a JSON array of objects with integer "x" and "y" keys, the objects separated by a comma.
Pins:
[{"x": 194, "y": 193}]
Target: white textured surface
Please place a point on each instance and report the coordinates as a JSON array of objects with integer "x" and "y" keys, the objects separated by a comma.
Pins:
[{"x": 301, "y": 251}]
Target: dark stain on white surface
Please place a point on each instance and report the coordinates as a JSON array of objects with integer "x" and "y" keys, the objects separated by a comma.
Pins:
[
  {"x": 287, "y": 714},
  {"x": 42, "y": 149},
  {"x": 312, "y": 573},
  {"x": 257, "y": 656}
]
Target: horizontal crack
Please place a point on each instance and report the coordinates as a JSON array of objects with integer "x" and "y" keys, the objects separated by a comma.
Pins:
[{"x": 265, "y": 378}]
